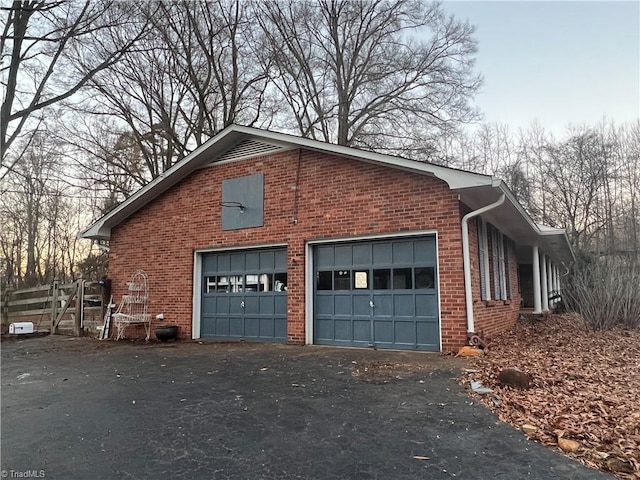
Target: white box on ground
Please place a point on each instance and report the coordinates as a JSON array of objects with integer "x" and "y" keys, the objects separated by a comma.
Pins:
[{"x": 21, "y": 327}]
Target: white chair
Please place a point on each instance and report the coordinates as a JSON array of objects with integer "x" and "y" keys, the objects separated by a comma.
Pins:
[{"x": 133, "y": 307}]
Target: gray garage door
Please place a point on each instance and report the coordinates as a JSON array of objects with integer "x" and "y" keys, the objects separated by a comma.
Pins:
[
  {"x": 245, "y": 295},
  {"x": 381, "y": 294}
]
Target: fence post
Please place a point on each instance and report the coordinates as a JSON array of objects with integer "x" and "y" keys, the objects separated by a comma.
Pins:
[
  {"x": 105, "y": 290},
  {"x": 54, "y": 306},
  {"x": 4, "y": 306},
  {"x": 77, "y": 327}
]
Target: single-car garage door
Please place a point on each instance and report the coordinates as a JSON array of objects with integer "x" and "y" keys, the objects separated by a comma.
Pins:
[
  {"x": 379, "y": 293},
  {"x": 245, "y": 295}
]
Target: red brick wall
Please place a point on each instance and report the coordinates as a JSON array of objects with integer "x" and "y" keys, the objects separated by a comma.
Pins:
[
  {"x": 337, "y": 198},
  {"x": 492, "y": 317}
]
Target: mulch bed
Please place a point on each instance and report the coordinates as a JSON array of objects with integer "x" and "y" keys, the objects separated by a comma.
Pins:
[{"x": 585, "y": 386}]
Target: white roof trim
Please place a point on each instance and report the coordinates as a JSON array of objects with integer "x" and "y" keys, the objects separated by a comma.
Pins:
[
  {"x": 234, "y": 134},
  {"x": 232, "y": 138},
  {"x": 455, "y": 178}
]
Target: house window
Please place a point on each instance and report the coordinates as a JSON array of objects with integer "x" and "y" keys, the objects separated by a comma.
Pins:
[{"x": 495, "y": 268}]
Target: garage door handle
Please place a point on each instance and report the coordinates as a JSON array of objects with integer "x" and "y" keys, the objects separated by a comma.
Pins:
[
  {"x": 241, "y": 304},
  {"x": 371, "y": 304}
]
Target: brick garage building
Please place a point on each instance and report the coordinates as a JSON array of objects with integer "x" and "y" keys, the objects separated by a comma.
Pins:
[{"x": 263, "y": 236}]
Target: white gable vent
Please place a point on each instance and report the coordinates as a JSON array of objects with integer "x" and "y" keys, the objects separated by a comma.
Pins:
[{"x": 246, "y": 149}]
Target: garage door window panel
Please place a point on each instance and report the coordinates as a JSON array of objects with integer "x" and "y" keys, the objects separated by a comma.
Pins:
[
  {"x": 402, "y": 279},
  {"x": 382, "y": 279},
  {"x": 342, "y": 279},
  {"x": 425, "y": 277},
  {"x": 361, "y": 279},
  {"x": 324, "y": 280},
  {"x": 280, "y": 282}
]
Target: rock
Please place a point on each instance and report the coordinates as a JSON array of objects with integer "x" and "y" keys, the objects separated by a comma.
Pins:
[
  {"x": 569, "y": 446},
  {"x": 470, "y": 352},
  {"x": 529, "y": 429},
  {"x": 514, "y": 378},
  {"x": 618, "y": 466}
]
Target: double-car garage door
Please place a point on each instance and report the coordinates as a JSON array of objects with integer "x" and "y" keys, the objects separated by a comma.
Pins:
[{"x": 379, "y": 293}]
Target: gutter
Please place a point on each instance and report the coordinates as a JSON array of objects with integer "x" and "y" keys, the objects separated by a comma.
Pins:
[{"x": 466, "y": 257}]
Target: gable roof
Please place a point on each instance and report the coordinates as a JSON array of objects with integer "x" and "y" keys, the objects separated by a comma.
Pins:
[{"x": 237, "y": 142}]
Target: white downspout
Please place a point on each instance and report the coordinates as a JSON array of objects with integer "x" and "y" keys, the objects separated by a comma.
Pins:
[
  {"x": 466, "y": 258},
  {"x": 544, "y": 277}
]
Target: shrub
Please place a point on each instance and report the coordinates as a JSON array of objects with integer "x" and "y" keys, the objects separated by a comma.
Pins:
[{"x": 606, "y": 292}]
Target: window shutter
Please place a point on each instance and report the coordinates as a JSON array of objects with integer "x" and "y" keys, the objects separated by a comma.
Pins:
[
  {"x": 495, "y": 255},
  {"x": 508, "y": 251},
  {"x": 483, "y": 254},
  {"x": 502, "y": 265}
]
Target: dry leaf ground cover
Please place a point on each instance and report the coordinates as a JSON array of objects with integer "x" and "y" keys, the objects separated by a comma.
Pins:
[{"x": 585, "y": 387}]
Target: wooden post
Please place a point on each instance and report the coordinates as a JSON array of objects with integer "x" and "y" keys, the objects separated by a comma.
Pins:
[
  {"x": 54, "y": 307},
  {"x": 77, "y": 326},
  {"x": 4, "y": 306},
  {"x": 105, "y": 290},
  {"x": 3, "y": 301}
]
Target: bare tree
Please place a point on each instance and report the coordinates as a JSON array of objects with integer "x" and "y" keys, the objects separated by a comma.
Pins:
[
  {"x": 191, "y": 76},
  {"x": 370, "y": 74},
  {"x": 45, "y": 57},
  {"x": 630, "y": 178},
  {"x": 39, "y": 214}
]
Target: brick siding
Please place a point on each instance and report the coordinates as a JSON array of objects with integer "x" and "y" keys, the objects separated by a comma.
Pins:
[
  {"x": 337, "y": 198},
  {"x": 494, "y": 316}
]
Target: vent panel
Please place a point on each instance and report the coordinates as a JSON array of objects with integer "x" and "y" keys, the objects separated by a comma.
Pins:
[{"x": 248, "y": 148}]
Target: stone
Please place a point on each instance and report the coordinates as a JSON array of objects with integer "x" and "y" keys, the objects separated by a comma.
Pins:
[
  {"x": 529, "y": 429},
  {"x": 470, "y": 352},
  {"x": 514, "y": 378},
  {"x": 619, "y": 466},
  {"x": 568, "y": 446}
]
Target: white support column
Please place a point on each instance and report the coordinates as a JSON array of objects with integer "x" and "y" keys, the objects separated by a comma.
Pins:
[
  {"x": 552, "y": 282},
  {"x": 544, "y": 286},
  {"x": 558, "y": 286},
  {"x": 537, "y": 307}
]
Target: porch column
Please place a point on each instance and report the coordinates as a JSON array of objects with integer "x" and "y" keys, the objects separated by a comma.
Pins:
[
  {"x": 552, "y": 283},
  {"x": 544, "y": 286},
  {"x": 537, "y": 308},
  {"x": 558, "y": 287}
]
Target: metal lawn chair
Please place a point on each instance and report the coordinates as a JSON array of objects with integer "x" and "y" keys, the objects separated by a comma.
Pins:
[{"x": 133, "y": 307}]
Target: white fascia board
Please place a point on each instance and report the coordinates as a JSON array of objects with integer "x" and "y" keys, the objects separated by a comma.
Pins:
[
  {"x": 96, "y": 231},
  {"x": 557, "y": 245},
  {"x": 101, "y": 229},
  {"x": 514, "y": 201},
  {"x": 538, "y": 234},
  {"x": 542, "y": 231},
  {"x": 454, "y": 178}
]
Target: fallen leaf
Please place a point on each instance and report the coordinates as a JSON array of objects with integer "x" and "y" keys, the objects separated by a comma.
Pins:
[{"x": 585, "y": 387}]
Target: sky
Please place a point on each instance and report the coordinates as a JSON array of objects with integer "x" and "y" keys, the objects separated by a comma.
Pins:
[{"x": 557, "y": 63}]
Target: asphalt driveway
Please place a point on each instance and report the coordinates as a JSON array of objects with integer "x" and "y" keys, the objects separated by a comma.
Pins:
[{"x": 83, "y": 409}]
